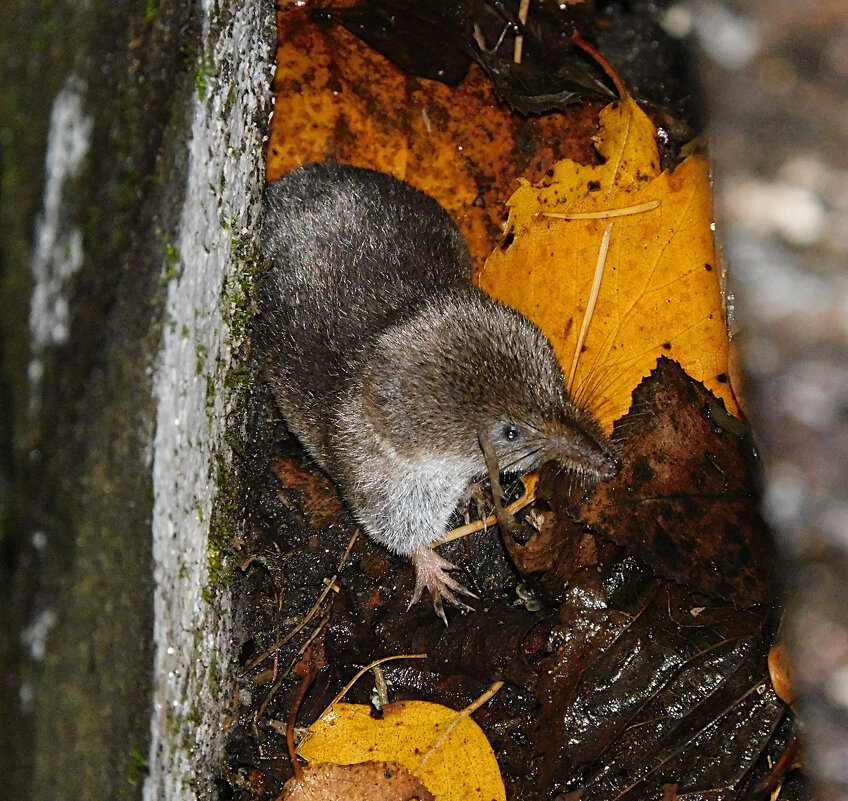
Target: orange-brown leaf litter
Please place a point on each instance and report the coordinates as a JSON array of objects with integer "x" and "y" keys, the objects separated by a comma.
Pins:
[{"x": 335, "y": 98}]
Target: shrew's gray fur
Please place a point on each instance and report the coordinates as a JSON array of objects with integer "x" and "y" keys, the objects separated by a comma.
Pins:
[{"x": 388, "y": 362}]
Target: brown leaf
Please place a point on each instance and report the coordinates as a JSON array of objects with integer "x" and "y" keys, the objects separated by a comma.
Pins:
[
  {"x": 321, "y": 502},
  {"x": 780, "y": 672},
  {"x": 366, "y": 781},
  {"x": 635, "y": 699},
  {"x": 685, "y": 501}
]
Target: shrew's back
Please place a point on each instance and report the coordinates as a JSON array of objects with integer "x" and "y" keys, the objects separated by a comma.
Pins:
[{"x": 352, "y": 251}]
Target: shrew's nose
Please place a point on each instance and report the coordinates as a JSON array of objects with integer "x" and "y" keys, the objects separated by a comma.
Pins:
[{"x": 610, "y": 467}]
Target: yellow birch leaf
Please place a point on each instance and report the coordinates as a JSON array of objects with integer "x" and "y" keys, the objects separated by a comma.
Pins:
[
  {"x": 628, "y": 142},
  {"x": 462, "y": 767},
  {"x": 660, "y": 293}
]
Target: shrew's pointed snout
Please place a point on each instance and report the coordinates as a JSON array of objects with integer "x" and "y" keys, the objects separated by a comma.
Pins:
[
  {"x": 590, "y": 453},
  {"x": 600, "y": 459},
  {"x": 610, "y": 467}
]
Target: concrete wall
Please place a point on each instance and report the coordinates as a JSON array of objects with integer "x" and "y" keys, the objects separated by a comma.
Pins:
[{"x": 131, "y": 174}]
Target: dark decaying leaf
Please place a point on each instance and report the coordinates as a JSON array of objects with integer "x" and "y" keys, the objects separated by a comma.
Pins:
[
  {"x": 404, "y": 33},
  {"x": 664, "y": 703},
  {"x": 551, "y": 72},
  {"x": 685, "y": 501}
]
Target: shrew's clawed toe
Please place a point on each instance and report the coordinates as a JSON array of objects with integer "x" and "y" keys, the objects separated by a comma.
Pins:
[{"x": 431, "y": 573}]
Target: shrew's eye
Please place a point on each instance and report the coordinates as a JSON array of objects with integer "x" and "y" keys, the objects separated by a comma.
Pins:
[{"x": 511, "y": 432}]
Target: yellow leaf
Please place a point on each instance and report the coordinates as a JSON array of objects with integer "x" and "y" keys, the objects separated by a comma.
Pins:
[
  {"x": 626, "y": 141},
  {"x": 660, "y": 292},
  {"x": 462, "y": 767}
]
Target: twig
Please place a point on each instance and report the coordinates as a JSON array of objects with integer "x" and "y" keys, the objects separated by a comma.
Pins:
[
  {"x": 523, "y": 11},
  {"x": 298, "y": 700},
  {"x": 478, "y": 525},
  {"x": 282, "y": 677},
  {"x": 603, "y": 215},
  {"x": 347, "y": 551},
  {"x": 365, "y": 670},
  {"x": 276, "y": 647},
  {"x": 331, "y": 584},
  {"x": 470, "y": 709},
  {"x": 602, "y": 62},
  {"x": 504, "y": 518},
  {"x": 382, "y": 687},
  {"x": 590, "y": 307},
  {"x": 478, "y": 37}
]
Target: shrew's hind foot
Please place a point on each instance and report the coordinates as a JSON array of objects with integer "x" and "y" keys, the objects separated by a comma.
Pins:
[{"x": 431, "y": 573}]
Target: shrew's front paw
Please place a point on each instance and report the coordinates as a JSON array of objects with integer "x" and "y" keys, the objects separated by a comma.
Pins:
[
  {"x": 431, "y": 574},
  {"x": 479, "y": 494}
]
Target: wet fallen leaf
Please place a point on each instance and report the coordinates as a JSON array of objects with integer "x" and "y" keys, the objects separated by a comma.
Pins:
[
  {"x": 404, "y": 33},
  {"x": 366, "y": 781},
  {"x": 660, "y": 293},
  {"x": 462, "y": 767},
  {"x": 642, "y": 692},
  {"x": 780, "y": 672},
  {"x": 685, "y": 501},
  {"x": 321, "y": 501}
]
